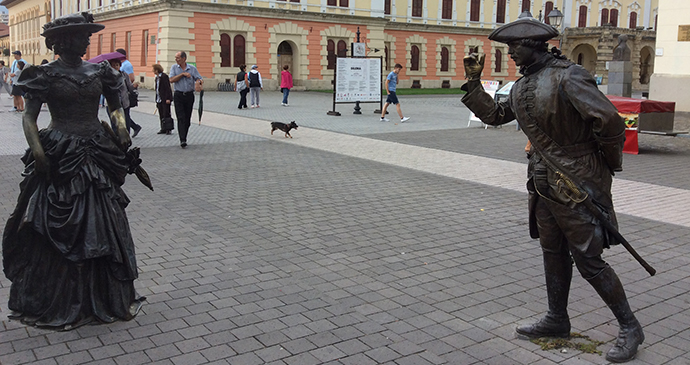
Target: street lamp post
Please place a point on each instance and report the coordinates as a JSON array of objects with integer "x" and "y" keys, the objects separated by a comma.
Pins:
[{"x": 556, "y": 19}]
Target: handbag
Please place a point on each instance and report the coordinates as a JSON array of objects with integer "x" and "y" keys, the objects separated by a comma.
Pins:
[
  {"x": 168, "y": 124},
  {"x": 241, "y": 85},
  {"x": 133, "y": 98}
]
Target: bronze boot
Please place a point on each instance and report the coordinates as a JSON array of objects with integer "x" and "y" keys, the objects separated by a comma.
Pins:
[
  {"x": 630, "y": 335},
  {"x": 559, "y": 271}
]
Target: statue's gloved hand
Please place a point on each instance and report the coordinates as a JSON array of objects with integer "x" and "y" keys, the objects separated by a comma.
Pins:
[
  {"x": 473, "y": 66},
  {"x": 123, "y": 136}
]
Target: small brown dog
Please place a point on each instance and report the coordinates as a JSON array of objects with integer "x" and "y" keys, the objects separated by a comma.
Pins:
[{"x": 283, "y": 127}]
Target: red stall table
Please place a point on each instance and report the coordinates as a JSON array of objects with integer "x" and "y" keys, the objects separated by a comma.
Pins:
[{"x": 644, "y": 116}]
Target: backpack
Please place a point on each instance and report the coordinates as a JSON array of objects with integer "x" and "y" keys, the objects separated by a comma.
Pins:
[{"x": 254, "y": 79}]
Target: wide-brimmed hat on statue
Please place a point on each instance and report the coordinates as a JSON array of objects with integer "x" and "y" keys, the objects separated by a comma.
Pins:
[
  {"x": 524, "y": 28},
  {"x": 81, "y": 22}
]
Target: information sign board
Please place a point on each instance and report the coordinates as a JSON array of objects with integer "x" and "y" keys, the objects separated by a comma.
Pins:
[{"x": 358, "y": 79}]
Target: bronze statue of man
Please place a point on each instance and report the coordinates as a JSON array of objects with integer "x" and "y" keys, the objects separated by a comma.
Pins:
[{"x": 576, "y": 135}]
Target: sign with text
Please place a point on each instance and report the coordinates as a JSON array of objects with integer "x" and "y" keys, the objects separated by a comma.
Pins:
[
  {"x": 358, "y": 79},
  {"x": 684, "y": 33}
]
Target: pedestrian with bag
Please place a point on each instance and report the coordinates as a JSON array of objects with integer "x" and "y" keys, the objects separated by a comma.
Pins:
[
  {"x": 255, "y": 85},
  {"x": 125, "y": 89},
  {"x": 5, "y": 79},
  {"x": 285, "y": 84},
  {"x": 164, "y": 98},
  {"x": 242, "y": 86}
]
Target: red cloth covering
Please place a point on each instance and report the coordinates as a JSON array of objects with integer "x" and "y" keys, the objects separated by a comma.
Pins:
[
  {"x": 631, "y": 145},
  {"x": 630, "y": 105}
]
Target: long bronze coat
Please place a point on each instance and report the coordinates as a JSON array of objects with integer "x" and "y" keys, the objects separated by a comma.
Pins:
[{"x": 563, "y": 100}]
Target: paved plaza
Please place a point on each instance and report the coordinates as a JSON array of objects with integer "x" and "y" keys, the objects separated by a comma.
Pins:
[{"x": 358, "y": 242}]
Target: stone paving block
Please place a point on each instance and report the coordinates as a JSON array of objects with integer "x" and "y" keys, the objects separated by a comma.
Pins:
[
  {"x": 302, "y": 359},
  {"x": 105, "y": 352},
  {"x": 189, "y": 359},
  {"x": 163, "y": 352}
]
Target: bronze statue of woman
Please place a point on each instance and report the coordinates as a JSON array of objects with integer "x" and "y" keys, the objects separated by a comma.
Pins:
[{"x": 67, "y": 247}]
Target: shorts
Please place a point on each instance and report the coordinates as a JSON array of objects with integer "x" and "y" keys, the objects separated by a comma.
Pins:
[
  {"x": 392, "y": 98},
  {"x": 16, "y": 91}
]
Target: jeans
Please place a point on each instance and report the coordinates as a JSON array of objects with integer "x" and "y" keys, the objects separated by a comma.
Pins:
[{"x": 286, "y": 92}]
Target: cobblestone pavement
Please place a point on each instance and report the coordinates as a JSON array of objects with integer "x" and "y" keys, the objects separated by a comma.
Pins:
[{"x": 357, "y": 242}]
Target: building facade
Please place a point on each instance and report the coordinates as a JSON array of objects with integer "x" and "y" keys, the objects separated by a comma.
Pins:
[
  {"x": 428, "y": 37},
  {"x": 671, "y": 78}
]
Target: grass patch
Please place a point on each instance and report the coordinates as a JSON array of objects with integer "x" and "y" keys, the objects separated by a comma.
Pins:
[
  {"x": 455, "y": 91},
  {"x": 576, "y": 341}
]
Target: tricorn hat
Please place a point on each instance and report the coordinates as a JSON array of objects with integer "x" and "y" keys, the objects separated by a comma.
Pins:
[
  {"x": 524, "y": 28},
  {"x": 72, "y": 23}
]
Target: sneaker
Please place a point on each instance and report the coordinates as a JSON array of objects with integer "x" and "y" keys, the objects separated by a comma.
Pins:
[
  {"x": 253, "y": 106},
  {"x": 136, "y": 132},
  {"x": 403, "y": 120},
  {"x": 283, "y": 104},
  {"x": 183, "y": 144},
  {"x": 383, "y": 120}
]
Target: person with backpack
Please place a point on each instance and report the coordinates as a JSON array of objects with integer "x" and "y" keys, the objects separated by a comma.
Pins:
[{"x": 255, "y": 85}]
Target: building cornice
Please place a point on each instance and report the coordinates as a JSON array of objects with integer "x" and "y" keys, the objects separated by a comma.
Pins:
[
  {"x": 10, "y": 3},
  {"x": 238, "y": 10}
]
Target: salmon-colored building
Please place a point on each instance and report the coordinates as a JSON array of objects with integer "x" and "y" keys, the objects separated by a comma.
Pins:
[{"x": 428, "y": 37}]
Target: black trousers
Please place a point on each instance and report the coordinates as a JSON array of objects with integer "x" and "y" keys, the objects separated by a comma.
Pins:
[
  {"x": 184, "y": 104},
  {"x": 243, "y": 98}
]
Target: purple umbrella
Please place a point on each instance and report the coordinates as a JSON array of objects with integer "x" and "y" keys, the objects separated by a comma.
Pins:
[{"x": 107, "y": 57}]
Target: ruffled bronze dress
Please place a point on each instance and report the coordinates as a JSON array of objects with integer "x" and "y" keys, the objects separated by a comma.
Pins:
[{"x": 67, "y": 247}]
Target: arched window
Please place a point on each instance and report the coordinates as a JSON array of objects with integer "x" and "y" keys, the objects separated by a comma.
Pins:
[
  {"x": 525, "y": 5},
  {"x": 342, "y": 49},
  {"x": 444, "y": 59},
  {"x": 582, "y": 17},
  {"x": 474, "y": 10},
  {"x": 238, "y": 50},
  {"x": 447, "y": 9},
  {"x": 331, "y": 54},
  {"x": 633, "y": 20},
  {"x": 613, "y": 17},
  {"x": 414, "y": 60},
  {"x": 604, "y": 16},
  {"x": 499, "y": 60},
  {"x": 501, "y": 11},
  {"x": 417, "y": 7},
  {"x": 225, "y": 50},
  {"x": 547, "y": 9}
]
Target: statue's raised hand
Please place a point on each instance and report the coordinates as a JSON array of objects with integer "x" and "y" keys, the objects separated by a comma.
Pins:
[{"x": 473, "y": 66}]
